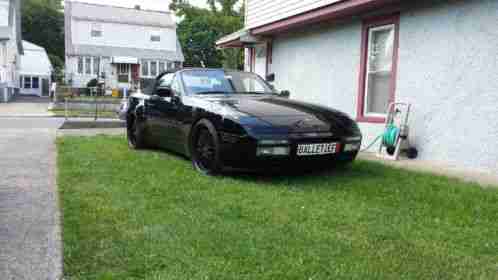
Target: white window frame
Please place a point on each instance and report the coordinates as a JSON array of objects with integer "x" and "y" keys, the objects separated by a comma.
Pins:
[
  {"x": 82, "y": 58},
  {"x": 96, "y": 30},
  {"x": 123, "y": 66},
  {"x": 155, "y": 34},
  {"x": 120, "y": 71},
  {"x": 32, "y": 82},
  {"x": 24, "y": 79},
  {"x": 88, "y": 70},
  {"x": 92, "y": 69},
  {"x": 171, "y": 65},
  {"x": 149, "y": 67},
  {"x": 156, "y": 67},
  {"x": 142, "y": 63},
  {"x": 371, "y": 30},
  {"x": 99, "y": 66}
]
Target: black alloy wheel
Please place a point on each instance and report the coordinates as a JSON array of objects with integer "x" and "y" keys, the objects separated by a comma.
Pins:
[
  {"x": 205, "y": 151},
  {"x": 134, "y": 134}
]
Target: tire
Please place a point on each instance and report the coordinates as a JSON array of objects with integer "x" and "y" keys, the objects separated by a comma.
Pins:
[
  {"x": 135, "y": 133},
  {"x": 412, "y": 153},
  {"x": 205, "y": 149}
]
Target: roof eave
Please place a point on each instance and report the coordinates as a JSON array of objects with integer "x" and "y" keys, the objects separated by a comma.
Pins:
[
  {"x": 334, "y": 11},
  {"x": 238, "y": 39}
]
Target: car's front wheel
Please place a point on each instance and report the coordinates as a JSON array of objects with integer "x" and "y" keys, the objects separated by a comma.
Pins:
[
  {"x": 135, "y": 133},
  {"x": 205, "y": 149}
]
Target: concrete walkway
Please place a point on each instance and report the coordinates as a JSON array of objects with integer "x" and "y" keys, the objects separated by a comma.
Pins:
[
  {"x": 484, "y": 179},
  {"x": 26, "y": 106},
  {"x": 30, "y": 245}
]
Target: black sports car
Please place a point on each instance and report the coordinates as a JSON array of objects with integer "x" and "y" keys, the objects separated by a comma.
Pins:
[{"x": 235, "y": 120}]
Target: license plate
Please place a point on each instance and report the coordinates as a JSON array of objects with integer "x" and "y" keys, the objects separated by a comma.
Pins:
[{"x": 317, "y": 149}]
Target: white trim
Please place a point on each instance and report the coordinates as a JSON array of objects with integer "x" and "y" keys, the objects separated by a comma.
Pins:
[
  {"x": 367, "y": 76},
  {"x": 92, "y": 64},
  {"x": 96, "y": 30},
  {"x": 169, "y": 65},
  {"x": 124, "y": 60}
]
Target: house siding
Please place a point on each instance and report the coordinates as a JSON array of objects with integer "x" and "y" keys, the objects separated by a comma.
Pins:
[
  {"x": 118, "y": 35},
  {"x": 117, "y": 25},
  {"x": 10, "y": 49},
  {"x": 260, "y": 12},
  {"x": 446, "y": 70},
  {"x": 4, "y": 13}
]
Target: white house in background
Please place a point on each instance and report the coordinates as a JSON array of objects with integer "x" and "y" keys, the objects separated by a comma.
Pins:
[
  {"x": 36, "y": 70},
  {"x": 357, "y": 55},
  {"x": 125, "y": 46},
  {"x": 10, "y": 48}
]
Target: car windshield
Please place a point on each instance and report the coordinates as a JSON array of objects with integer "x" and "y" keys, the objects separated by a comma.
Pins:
[{"x": 223, "y": 82}]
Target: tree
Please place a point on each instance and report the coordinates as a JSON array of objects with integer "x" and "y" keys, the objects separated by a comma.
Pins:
[
  {"x": 43, "y": 25},
  {"x": 227, "y": 6},
  {"x": 199, "y": 29}
]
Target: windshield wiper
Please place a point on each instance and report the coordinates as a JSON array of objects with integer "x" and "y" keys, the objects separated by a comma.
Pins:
[
  {"x": 214, "y": 92},
  {"x": 251, "y": 92}
]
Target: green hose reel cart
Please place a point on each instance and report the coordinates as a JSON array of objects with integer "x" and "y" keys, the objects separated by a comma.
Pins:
[{"x": 394, "y": 140}]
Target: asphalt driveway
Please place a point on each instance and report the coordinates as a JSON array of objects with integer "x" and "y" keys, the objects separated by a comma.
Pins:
[{"x": 30, "y": 246}]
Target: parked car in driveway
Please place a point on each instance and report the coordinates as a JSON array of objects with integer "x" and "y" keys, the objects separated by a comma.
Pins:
[{"x": 224, "y": 120}]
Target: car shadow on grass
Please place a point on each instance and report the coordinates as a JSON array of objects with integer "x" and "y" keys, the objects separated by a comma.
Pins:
[{"x": 332, "y": 177}]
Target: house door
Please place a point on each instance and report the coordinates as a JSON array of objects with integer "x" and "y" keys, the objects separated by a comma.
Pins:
[
  {"x": 259, "y": 60},
  {"x": 124, "y": 75}
]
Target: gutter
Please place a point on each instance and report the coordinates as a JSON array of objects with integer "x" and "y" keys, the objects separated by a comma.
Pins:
[{"x": 336, "y": 11}]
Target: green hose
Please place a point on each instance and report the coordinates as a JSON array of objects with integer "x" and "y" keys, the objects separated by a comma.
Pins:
[{"x": 389, "y": 137}]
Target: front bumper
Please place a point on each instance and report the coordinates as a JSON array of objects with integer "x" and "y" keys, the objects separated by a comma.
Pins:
[{"x": 241, "y": 154}]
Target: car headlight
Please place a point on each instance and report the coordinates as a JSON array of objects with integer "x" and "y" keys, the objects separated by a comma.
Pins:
[
  {"x": 272, "y": 142},
  {"x": 273, "y": 151},
  {"x": 273, "y": 148}
]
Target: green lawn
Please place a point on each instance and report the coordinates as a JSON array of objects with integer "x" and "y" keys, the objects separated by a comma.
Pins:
[
  {"x": 84, "y": 113},
  {"x": 149, "y": 215}
]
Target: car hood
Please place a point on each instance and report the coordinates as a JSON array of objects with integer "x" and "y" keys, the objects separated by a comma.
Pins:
[{"x": 290, "y": 115}]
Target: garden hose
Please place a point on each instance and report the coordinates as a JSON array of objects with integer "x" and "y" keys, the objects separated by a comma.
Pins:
[{"x": 389, "y": 137}]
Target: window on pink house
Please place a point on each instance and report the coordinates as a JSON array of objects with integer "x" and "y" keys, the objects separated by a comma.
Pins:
[{"x": 378, "y": 67}]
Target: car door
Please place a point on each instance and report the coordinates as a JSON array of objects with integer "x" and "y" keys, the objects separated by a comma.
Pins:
[
  {"x": 173, "y": 112},
  {"x": 157, "y": 110}
]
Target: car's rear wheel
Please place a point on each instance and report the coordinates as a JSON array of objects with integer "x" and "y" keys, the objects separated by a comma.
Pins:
[
  {"x": 205, "y": 150},
  {"x": 135, "y": 134}
]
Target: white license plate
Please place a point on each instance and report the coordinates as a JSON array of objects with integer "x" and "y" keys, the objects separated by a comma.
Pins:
[{"x": 317, "y": 149}]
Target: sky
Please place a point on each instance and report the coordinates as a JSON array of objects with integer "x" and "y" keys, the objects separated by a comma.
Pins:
[{"x": 161, "y": 5}]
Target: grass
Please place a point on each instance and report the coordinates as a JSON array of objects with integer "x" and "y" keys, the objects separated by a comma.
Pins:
[
  {"x": 149, "y": 215},
  {"x": 90, "y": 98},
  {"x": 84, "y": 114}
]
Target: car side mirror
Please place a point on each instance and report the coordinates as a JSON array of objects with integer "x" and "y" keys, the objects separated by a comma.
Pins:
[
  {"x": 270, "y": 77},
  {"x": 285, "y": 93}
]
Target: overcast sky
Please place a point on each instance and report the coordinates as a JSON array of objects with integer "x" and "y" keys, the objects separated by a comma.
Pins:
[{"x": 161, "y": 5}]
